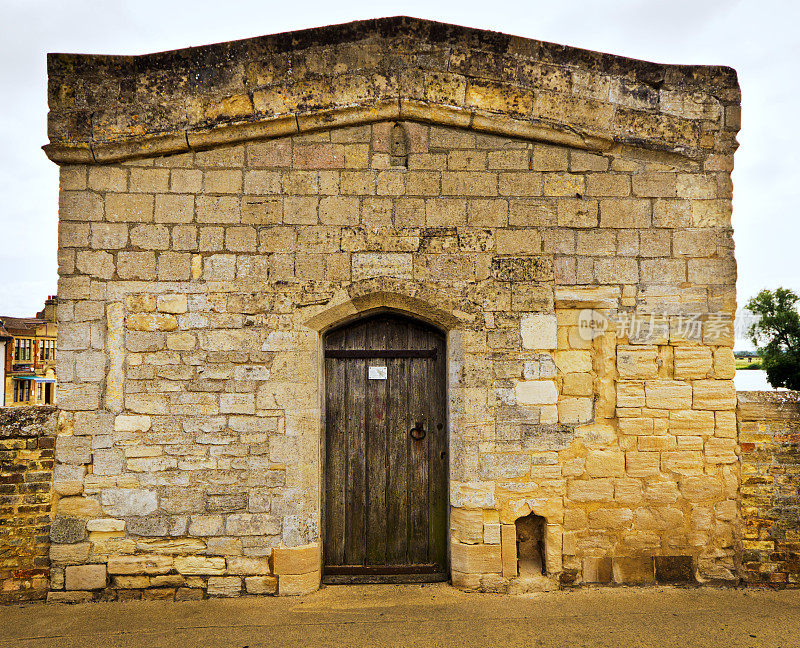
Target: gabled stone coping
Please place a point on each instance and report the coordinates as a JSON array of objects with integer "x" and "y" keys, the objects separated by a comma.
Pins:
[{"x": 113, "y": 108}]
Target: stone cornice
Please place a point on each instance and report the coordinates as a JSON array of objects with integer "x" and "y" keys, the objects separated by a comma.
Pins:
[{"x": 112, "y": 108}]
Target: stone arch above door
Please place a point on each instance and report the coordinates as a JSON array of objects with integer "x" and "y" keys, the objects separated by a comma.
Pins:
[{"x": 361, "y": 304}]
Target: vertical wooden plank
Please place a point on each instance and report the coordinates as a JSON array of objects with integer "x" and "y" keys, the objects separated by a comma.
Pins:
[
  {"x": 397, "y": 457},
  {"x": 376, "y": 423},
  {"x": 437, "y": 453},
  {"x": 355, "y": 515},
  {"x": 418, "y": 395},
  {"x": 335, "y": 459}
]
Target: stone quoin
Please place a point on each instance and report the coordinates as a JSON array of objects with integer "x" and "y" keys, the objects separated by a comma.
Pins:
[{"x": 530, "y": 244}]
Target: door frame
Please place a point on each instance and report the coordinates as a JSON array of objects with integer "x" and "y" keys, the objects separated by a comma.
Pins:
[{"x": 377, "y": 577}]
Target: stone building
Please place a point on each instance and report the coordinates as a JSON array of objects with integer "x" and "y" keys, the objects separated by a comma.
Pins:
[
  {"x": 28, "y": 352},
  {"x": 392, "y": 300}
]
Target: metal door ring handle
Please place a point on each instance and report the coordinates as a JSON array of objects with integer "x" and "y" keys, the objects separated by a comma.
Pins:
[{"x": 417, "y": 432}]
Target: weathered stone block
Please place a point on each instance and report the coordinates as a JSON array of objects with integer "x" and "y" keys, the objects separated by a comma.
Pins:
[
  {"x": 67, "y": 530},
  {"x": 642, "y": 464},
  {"x": 138, "y": 565},
  {"x": 66, "y": 554},
  {"x": 121, "y": 502},
  {"x": 200, "y": 565},
  {"x": 682, "y": 462},
  {"x": 721, "y": 450},
  {"x": 129, "y": 423},
  {"x": 69, "y": 597},
  {"x": 136, "y": 265},
  {"x": 573, "y": 361},
  {"x": 129, "y": 208},
  {"x": 466, "y": 525},
  {"x": 151, "y": 322},
  {"x": 504, "y": 465},
  {"x": 698, "y": 488},
  {"x": 577, "y": 384},
  {"x": 246, "y": 566},
  {"x": 491, "y": 533},
  {"x": 78, "y": 507},
  {"x": 189, "y": 594},
  {"x": 170, "y": 546},
  {"x": 590, "y": 490},
  {"x": 73, "y": 450},
  {"x": 713, "y": 395},
  {"x": 630, "y": 394},
  {"x": 627, "y": 213},
  {"x": 536, "y": 392},
  {"x": 538, "y": 331},
  {"x": 152, "y": 526},
  {"x": 597, "y": 570},
  {"x": 298, "y": 584},
  {"x": 224, "y": 586},
  {"x": 692, "y": 362},
  {"x": 637, "y": 362},
  {"x": 105, "y": 525},
  {"x": 248, "y": 524},
  {"x": 261, "y": 584},
  {"x": 573, "y": 410},
  {"x": 691, "y": 422},
  {"x": 724, "y": 363},
  {"x": 296, "y": 560},
  {"x": 674, "y": 569},
  {"x": 68, "y": 479},
  {"x": 668, "y": 394},
  {"x": 508, "y": 550},
  {"x": 605, "y": 463},
  {"x": 610, "y": 518},
  {"x": 476, "y": 559},
  {"x": 85, "y": 577},
  {"x": 634, "y": 570},
  {"x": 371, "y": 265},
  {"x": 529, "y": 267}
]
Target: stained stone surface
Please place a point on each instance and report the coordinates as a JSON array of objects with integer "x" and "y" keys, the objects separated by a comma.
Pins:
[{"x": 563, "y": 215}]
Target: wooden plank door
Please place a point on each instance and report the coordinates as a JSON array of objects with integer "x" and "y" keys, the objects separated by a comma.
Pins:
[{"x": 385, "y": 509}]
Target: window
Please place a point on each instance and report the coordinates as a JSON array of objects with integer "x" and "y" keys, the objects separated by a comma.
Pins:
[
  {"x": 39, "y": 398},
  {"x": 22, "y": 350},
  {"x": 22, "y": 391},
  {"x": 47, "y": 350}
]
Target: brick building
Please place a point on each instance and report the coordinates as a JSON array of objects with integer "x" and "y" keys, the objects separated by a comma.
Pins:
[
  {"x": 392, "y": 300},
  {"x": 29, "y": 357}
]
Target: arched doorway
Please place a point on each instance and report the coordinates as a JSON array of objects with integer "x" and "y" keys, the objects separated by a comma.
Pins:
[{"x": 386, "y": 451}]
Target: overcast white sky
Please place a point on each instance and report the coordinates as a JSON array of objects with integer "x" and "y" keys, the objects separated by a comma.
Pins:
[{"x": 757, "y": 37}]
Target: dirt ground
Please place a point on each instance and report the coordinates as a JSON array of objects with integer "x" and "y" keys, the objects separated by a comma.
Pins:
[{"x": 429, "y": 615}]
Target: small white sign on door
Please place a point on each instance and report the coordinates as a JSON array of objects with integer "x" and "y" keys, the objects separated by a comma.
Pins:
[{"x": 377, "y": 373}]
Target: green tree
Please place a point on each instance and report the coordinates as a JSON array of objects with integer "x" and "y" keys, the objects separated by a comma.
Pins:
[{"x": 777, "y": 335}]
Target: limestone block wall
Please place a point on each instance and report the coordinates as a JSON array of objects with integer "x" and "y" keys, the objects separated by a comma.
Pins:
[
  {"x": 769, "y": 434},
  {"x": 27, "y": 439},
  {"x": 587, "y": 298}
]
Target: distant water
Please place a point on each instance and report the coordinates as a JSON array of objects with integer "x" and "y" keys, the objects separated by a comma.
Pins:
[{"x": 752, "y": 380}]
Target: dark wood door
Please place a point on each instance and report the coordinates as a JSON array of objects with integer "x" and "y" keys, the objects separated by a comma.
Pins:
[{"x": 386, "y": 452}]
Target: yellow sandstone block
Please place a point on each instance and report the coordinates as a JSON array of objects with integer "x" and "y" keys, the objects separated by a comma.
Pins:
[{"x": 296, "y": 560}]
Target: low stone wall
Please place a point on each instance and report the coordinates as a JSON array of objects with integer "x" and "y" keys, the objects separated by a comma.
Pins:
[
  {"x": 27, "y": 440},
  {"x": 769, "y": 434}
]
